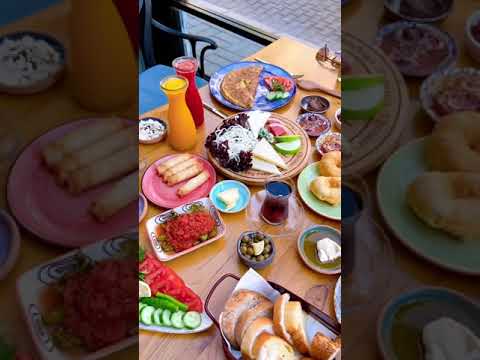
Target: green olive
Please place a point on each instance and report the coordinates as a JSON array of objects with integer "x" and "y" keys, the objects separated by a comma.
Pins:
[
  {"x": 243, "y": 250},
  {"x": 268, "y": 249},
  {"x": 248, "y": 257},
  {"x": 260, "y": 258},
  {"x": 249, "y": 251}
]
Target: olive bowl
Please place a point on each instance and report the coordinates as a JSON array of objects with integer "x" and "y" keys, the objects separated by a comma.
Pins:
[{"x": 256, "y": 265}]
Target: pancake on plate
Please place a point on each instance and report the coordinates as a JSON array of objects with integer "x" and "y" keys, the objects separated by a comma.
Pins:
[{"x": 240, "y": 86}]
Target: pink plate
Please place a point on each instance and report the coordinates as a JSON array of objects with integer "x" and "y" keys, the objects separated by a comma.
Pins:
[
  {"x": 49, "y": 211},
  {"x": 166, "y": 196}
]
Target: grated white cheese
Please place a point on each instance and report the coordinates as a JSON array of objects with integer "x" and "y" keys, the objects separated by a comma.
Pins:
[
  {"x": 239, "y": 139},
  {"x": 27, "y": 60}
]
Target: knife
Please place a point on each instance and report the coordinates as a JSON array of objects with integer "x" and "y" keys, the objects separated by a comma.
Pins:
[
  {"x": 215, "y": 111},
  {"x": 295, "y": 76}
]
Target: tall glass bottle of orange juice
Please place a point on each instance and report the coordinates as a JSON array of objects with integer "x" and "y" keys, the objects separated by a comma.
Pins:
[
  {"x": 182, "y": 134},
  {"x": 103, "y": 61}
]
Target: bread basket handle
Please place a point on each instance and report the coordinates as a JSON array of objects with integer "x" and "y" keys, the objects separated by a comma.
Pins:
[{"x": 210, "y": 294}]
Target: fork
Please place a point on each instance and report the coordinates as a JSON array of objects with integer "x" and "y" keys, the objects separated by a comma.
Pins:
[{"x": 295, "y": 76}]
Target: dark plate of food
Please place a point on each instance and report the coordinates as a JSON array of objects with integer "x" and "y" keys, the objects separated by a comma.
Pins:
[
  {"x": 418, "y": 50},
  {"x": 67, "y": 302},
  {"x": 314, "y": 124},
  {"x": 426, "y": 11},
  {"x": 315, "y": 104},
  {"x": 182, "y": 230},
  {"x": 450, "y": 91},
  {"x": 472, "y": 35}
]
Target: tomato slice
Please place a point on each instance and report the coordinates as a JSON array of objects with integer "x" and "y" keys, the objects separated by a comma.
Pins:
[{"x": 162, "y": 279}]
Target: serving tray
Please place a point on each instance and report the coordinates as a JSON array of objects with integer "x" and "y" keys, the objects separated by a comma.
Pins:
[
  {"x": 308, "y": 308},
  {"x": 295, "y": 163},
  {"x": 372, "y": 141}
]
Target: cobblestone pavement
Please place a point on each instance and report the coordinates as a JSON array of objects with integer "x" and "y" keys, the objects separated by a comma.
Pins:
[{"x": 315, "y": 22}]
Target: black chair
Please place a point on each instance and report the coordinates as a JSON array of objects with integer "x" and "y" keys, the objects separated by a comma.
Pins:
[{"x": 147, "y": 45}]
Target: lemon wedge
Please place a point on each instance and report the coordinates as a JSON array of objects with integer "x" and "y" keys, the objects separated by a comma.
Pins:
[
  {"x": 258, "y": 248},
  {"x": 144, "y": 290}
]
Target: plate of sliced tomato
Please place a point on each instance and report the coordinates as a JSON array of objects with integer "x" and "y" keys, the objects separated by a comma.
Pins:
[{"x": 172, "y": 306}]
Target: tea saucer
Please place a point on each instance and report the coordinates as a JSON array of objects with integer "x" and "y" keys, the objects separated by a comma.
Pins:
[{"x": 290, "y": 227}]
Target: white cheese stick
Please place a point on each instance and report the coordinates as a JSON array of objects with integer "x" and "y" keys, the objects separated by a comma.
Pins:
[
  {"x": 104, "y": 170},
  {"x": 122, "y": 193},
  {"x": 79, "y": 138},
  {"x": 193, "y": 184},
  {"x": 106, "y": 146}
]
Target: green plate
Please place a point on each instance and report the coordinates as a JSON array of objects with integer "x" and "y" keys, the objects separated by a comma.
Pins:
[
  {"x": 433, "y": 245},
  {"x": 320, "y": 207}
]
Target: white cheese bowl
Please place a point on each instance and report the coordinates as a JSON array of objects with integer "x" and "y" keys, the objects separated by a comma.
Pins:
[{"x": 42, "y": 82}]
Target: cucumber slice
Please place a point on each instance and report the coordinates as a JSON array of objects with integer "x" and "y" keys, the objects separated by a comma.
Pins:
[
  {"x": 166, "y": 314},
  {"x": 288, "y": 148},
  {"x": 177, "y": 320},
  {"x": 157, "y": 317},
  {"x": 146, "y": 315},
  {"x": 140, "y": 308},
  {"x": 271, "y": 96},
  {"x": 285, "y": 95},
  {"x": 192, "y": 320}
]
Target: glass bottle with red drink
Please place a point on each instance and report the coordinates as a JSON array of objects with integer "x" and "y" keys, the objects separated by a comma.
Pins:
[{"x": 187, "y": 66}]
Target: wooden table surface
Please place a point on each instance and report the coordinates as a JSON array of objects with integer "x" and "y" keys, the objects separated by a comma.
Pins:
[
  {"x": 201, "y": 268},
  {"x": 28, "y": 117},
  {"x": 363, "y": 19}
]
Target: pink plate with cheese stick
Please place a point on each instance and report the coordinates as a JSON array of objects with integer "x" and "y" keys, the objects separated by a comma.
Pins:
[
  {"x": 48, "y": 210},
  {"x": 163, "y": 195}
]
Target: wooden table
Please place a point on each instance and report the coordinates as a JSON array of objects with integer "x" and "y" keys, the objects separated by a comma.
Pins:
[
  {"x": 201, "y": 268},
  {"x": 29, "y": 117},
  {"x": 363, "y": 19}
]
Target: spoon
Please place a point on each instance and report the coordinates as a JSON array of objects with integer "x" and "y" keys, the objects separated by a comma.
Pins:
[{"x": 310, "y": 85}]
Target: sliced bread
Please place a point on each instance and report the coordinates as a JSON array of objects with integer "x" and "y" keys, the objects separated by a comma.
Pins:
[
  {"x": 239, "y": 302},
  {"x": 270, "y": 347},
  {"x": 279, "y": 310},
  {"x": 323, "y": 348},
  {"x": 295, "y": 324},
  {"x": 256, "y": 328},
  {"x": 262, "y": 309}
]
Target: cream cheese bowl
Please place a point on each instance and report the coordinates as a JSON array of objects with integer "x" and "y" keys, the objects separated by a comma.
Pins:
[{"x": 43, "y": 78}]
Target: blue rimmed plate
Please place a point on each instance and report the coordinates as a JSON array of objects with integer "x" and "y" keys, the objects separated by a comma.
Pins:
[
  {"x": 227, "y": 185},
  {"x": 261, "y": 102},
  {"x": 412, "y": 311},
  {"x": 9, "y": 243},
  {"x": 142, "y": 207}
]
